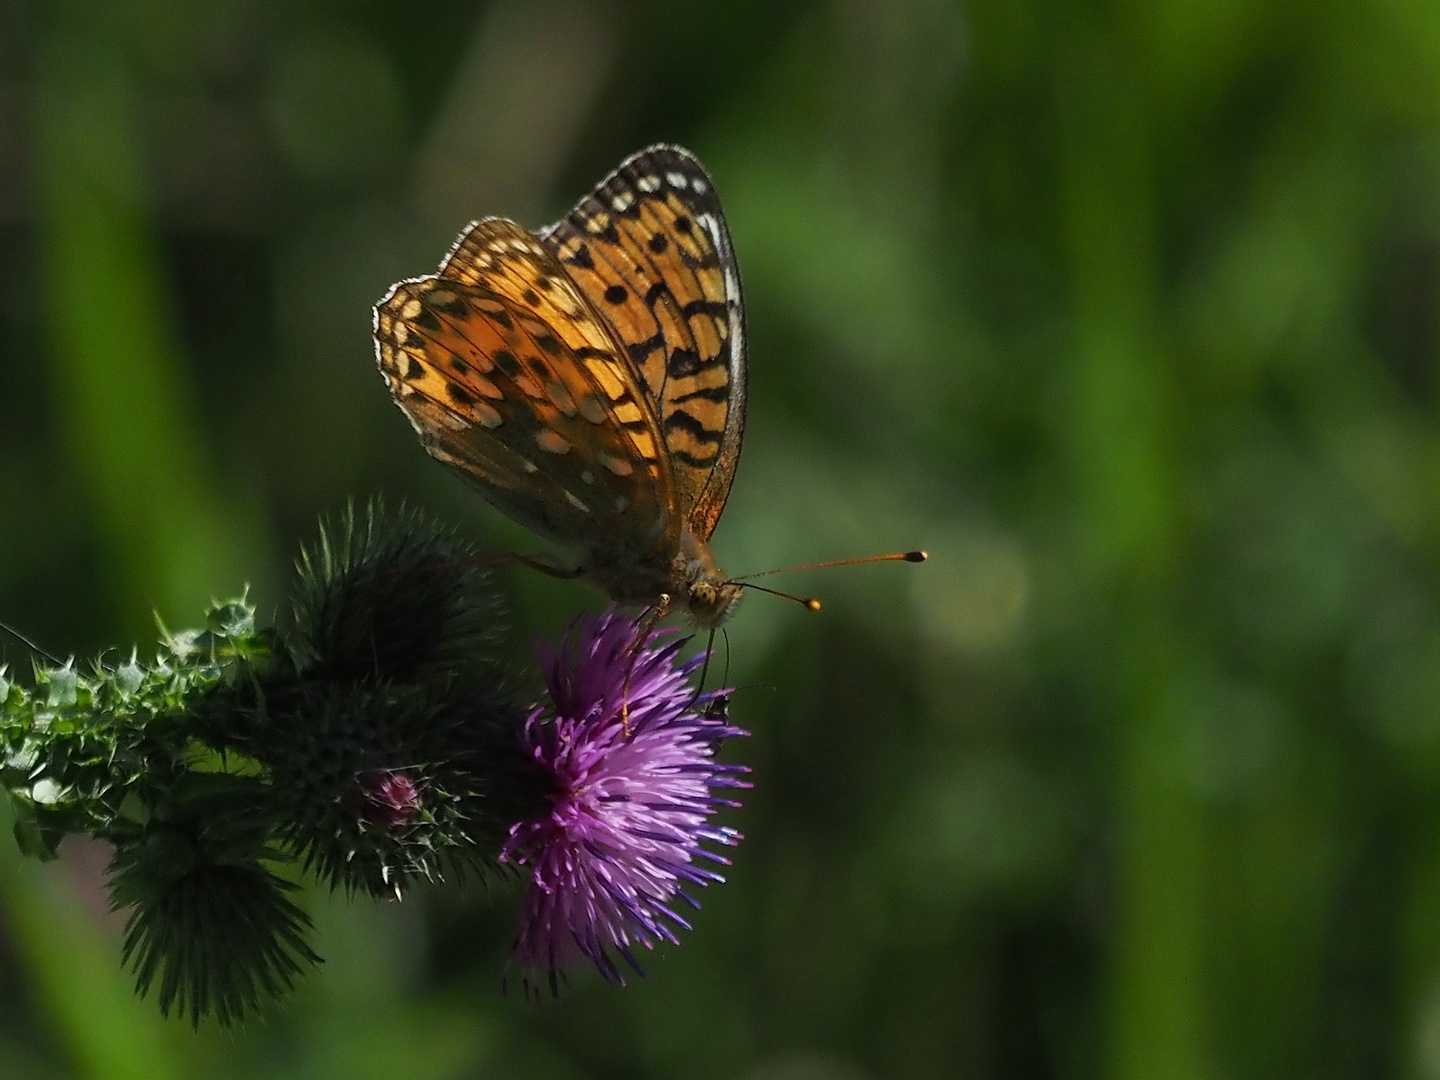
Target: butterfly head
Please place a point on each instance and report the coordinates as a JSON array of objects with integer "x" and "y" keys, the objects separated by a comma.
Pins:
[
  {"x": 707, "y": 594},
  {"x": 711, "y": 601}
]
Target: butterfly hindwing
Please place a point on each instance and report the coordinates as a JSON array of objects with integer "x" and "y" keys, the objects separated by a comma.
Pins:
[
  {"x": 651, "y": 251},
  {"x": 510, "y": 377}
]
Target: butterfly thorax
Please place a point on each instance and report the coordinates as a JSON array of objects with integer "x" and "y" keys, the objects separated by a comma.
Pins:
[{"x": 689, "y": 582}]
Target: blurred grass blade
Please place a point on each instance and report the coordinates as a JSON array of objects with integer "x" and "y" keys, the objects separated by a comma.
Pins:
[
  {"x": 1121, "y": 426},
  {"x": 123, "y": 401},
  {"x": 107, "y": 1031}
]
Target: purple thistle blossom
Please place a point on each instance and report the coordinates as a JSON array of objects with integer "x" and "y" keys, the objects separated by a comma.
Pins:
[{"x": 629, "y": 810}]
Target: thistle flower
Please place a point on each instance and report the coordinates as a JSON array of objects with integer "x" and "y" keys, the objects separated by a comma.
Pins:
[
  {"x": 396, "y": 799},
  {"x": 631, "y": 801}
]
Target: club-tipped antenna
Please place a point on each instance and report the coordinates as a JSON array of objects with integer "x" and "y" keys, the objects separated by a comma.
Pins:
[
  {"x": 805, "y": 601},
  {"x": 898, "y": 556},
  {"x": 809, "y": 601}
]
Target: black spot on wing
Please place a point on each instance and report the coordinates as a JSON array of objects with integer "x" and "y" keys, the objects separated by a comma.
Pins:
[
  {"x": 694, "y": 428},
  {"x": 683, "y": 362},
  {"x": 708, "y": 261},
  {"x": 642, "y": 349},
  {"x": 705, "y": 307},
  {"x": 687, "y": 458},
  {"x": 718, "y": 394}
]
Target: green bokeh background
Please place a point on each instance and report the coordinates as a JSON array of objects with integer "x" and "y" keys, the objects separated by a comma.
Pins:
[{"x": 1128, "y": 312}]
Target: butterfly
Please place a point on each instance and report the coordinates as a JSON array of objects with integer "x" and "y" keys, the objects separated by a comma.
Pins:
[{"x": 589, "y": 377}]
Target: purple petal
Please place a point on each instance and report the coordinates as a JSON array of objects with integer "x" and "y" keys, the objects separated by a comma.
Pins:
[{"x": 634, "y": 796}]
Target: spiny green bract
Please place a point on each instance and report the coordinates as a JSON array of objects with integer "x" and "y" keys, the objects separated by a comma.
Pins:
[
  {"x": 92, "y": 753},
  {"x": 370, "y": 739}
]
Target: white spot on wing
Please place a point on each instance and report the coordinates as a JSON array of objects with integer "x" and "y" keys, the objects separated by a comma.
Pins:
[
  {"x": 648, "y": 184},
  {"x": 618, "y": 466},
  {"x": 592, "y": 409},
  {"x": 552, "y": 442}
]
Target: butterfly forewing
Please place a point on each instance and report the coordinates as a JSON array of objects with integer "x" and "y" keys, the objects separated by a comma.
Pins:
[
  {"x": 651, "y": 251},
  {"x": 509, "y": 376},
  {"x": 590, "y": 378}
]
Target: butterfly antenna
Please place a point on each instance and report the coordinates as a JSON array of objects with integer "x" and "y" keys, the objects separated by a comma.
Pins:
[
  {"x": 899, "y": 556},
  {"x": 28, "y": 643},
  {"x": 809, "y": 601},
  {"x": 726, "y": 635},
  {"x": 805, "y": 601}
]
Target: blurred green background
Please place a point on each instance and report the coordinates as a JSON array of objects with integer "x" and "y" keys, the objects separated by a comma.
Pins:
[{"x": 1128, "y": 312}]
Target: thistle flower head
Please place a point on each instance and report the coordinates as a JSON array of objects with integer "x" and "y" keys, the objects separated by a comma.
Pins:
[
  {"x": 633, "y": 794},
  {"x": 395, "y": 798}
]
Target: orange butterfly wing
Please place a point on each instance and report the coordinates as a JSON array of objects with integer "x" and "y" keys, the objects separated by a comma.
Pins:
[
  {"x": 651, "y": 251},
  {"x": 510, "y": 376},
  {"x": 655, "y": 228}
]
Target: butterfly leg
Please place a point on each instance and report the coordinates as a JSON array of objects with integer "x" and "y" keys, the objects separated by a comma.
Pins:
[
  {"x": 545, "y": 568},
  {"x": 657, "y": 612},
  {"x": 705, "y": 667}
]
